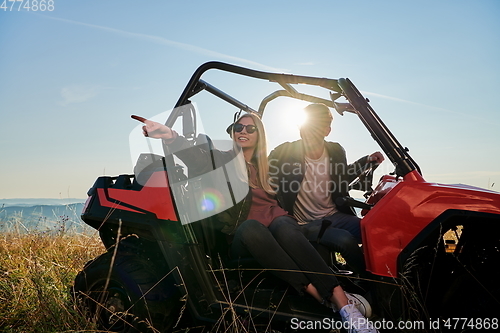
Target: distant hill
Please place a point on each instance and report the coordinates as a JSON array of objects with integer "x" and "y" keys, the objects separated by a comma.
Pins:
[
  {"x": 41, "y": 217},
  {"x": 38, "y": 201}
]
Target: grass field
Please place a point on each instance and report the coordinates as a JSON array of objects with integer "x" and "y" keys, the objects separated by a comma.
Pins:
[{"x": 37, "y": 270}]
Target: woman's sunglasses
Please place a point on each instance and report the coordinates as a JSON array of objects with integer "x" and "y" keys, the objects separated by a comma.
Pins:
[{"x": 239, "y": 127}]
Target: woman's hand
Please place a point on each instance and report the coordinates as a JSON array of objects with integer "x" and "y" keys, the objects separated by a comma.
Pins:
[{"x": 155, "y": 130}]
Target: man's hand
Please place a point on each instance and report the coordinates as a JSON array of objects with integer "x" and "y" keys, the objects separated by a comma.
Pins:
[
  {"x": 376, "y": 157},
  {"x": 155, "y": 130}
]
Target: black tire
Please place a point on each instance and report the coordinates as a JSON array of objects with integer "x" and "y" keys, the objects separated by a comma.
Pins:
[
  {"x": 473, "y": 291},
  {"x": 139, "y": 296},
  {"x": 463, "y": 284}
]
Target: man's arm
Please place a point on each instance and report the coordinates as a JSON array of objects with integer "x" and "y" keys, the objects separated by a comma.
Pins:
[{"x": 355, "y": 169}]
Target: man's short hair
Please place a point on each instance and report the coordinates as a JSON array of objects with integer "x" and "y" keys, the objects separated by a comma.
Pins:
[{"x": 318, "y": 114}]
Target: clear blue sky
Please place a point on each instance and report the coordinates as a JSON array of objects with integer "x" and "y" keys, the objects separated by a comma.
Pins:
[{"x": 70, "y": 78}]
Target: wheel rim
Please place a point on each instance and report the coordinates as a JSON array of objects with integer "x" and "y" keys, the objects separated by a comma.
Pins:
[{"x": 110, "y": 308}]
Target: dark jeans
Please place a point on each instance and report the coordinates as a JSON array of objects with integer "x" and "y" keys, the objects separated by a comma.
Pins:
[
  {"x": 343, "y": 236},
  {"x": 289, "y": 255},
  {"x": 348, "y": 222}
]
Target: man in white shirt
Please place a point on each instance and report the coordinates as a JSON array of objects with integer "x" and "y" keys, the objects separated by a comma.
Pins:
[{"x": 310, "y": 174}]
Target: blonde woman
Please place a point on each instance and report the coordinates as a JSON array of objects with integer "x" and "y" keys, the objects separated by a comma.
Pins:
[{"x": 248, "y": 222}]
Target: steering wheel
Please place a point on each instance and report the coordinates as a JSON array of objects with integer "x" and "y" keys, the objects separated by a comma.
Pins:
[{"x": 364, "y": 181}]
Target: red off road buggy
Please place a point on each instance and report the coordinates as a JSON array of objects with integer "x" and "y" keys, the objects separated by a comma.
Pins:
[{"x": 432, "y": 250}]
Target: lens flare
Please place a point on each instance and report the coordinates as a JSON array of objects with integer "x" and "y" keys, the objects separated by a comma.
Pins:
[{"x": 211, "y": 200}]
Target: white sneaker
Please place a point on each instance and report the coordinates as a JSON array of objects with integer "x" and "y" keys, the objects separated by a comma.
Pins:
[
  {"x": 355, "y": 321},
  {"x": 359, "y": 302}
]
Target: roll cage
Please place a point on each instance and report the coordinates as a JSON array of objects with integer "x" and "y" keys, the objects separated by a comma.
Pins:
[{"x": 343, "y": 87}]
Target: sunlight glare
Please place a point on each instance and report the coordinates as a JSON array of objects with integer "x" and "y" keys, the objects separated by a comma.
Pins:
[
  {"x": 297, "y": 117},
  {"x": 290, "y": 115}
]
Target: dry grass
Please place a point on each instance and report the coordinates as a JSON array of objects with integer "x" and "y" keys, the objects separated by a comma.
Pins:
[{"x": 37, "y": 270}]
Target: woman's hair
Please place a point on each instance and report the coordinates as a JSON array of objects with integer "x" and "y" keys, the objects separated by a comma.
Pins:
[{"x": 260, "y": 154}]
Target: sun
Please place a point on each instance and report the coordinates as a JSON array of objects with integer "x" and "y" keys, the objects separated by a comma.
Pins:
[
  {"x": 293, "y": 114},
  {"x": 297, "y": 117},
  {"x": 283, "y": 120}
]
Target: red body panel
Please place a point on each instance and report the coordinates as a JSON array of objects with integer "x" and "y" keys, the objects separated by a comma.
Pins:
[
  {"x": 154, "y": 197},
  {"x": 406, "y": 208}
]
